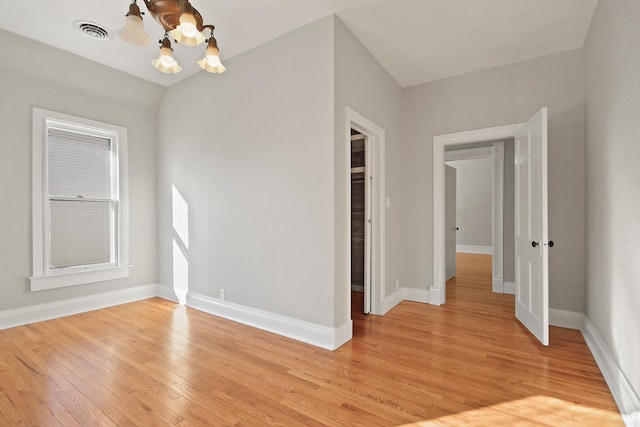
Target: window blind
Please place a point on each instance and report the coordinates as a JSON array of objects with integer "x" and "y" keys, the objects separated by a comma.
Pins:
[
  {"x": 80, "y": 233},
  {"x": 81, "y": 203},
  {"x": 79, "y": 164}
]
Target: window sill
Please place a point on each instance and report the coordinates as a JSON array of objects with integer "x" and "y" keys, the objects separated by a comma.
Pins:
[{"x": 78, "y": 278}]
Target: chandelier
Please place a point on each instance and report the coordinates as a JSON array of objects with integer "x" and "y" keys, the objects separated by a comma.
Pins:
[{"x": 180, "y": 20}]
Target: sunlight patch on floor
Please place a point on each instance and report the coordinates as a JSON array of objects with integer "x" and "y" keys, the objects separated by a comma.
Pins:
[{"x": 530, "y": 411}]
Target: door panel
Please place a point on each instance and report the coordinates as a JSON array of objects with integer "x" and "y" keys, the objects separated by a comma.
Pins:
[
  {"x": 368, "y": 224},
  {"x": 531, "y": 214},
  {"x": 450, "y": 219}
]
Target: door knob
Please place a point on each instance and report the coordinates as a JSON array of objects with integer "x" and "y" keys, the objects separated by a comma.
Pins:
[
  {"x": 457, "y": 228},
  {"x": 551, "y": 243},
  {"x": 534, "y": 244}
]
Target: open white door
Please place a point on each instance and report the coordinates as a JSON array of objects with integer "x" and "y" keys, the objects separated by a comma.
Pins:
[
  {"x": 368, "y": 199},
  {"x": 531, "y": 218},
  {"x": 450, "y": 219}
]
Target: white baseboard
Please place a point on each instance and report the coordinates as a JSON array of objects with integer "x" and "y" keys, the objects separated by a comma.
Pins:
[
  {"x": 166, "y": 292},
  {"x": 357, "y": 288},
  {"x": 509, "y": 288},
  {"x": 417, "y": 295},
  {"x": 497, "y": 285},
  {"x": 632, "y": 420},
  {"x": 52, "y": 310},
  {"x": 472, "y": 249},
  {"x": 300, "y": 330},
  {"x": 318, "y": 335},
  {"x": 404, "y": 294},
  {"x": 435, "y": 295},
  {"x": 392, "y": 300},
  {"x": 343, "y": 334},
  {"x": 500, "y": 287},
  {"x": 623, "y": 393},
  {"x": 565, "y": 319}
]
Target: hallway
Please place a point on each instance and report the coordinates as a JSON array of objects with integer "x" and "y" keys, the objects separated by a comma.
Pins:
[{"x": 470, "y": 289}]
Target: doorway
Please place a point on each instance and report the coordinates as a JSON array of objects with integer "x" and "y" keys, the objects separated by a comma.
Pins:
[
  {"x": 360, "y": 224},
  {"x": 482, "y": 199}
]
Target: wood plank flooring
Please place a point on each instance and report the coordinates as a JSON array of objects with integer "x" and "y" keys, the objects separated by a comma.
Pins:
[{"x": 157, "y": 363}]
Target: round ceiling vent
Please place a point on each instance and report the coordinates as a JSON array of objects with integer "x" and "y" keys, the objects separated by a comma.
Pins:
[{"x": 93, "y": 30}]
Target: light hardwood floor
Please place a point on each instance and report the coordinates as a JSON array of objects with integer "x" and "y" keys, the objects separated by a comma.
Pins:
[{"x": 157, "y": 363}]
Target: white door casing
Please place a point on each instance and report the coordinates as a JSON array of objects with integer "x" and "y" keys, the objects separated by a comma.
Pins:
[
  {"x": 450, "y": 219},
  {"x": 375, "y": 137},
  {"x": 531, "y": 223}
]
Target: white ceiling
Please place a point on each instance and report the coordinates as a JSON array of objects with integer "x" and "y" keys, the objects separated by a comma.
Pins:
[{"x": 415, "y": 40}]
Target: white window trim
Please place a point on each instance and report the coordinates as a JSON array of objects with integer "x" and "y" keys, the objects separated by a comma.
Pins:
[{"x": 43, "y": 279}]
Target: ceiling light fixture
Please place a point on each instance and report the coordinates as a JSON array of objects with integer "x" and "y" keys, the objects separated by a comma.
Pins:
[{"x": 185, "y": 25}]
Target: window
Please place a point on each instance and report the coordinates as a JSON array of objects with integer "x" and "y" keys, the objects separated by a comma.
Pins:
[{"x": 80, "y": 201}]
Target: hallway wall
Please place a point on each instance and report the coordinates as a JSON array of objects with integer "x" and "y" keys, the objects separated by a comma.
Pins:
[
  {"x": 612, "y": 92},
  {"x": 473, "y": 201}
]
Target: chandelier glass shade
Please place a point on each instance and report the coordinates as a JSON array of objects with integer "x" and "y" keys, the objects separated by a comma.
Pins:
[
  {"x": 165, "y": 62},
  {"x": 133, "y": 30},
  {"x": 211, "y": 61},
  {"x": 178, "y": 19}
]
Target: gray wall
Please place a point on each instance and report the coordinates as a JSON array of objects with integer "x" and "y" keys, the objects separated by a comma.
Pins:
[
  {"x": 362, "y": 84},
  {"x": 493, "y": 97},
  {"x": 509, "y": 209},
  {"x": 266, "y": 217},
  {"x": 473, "y": 201},
  {"x": 71, "y": 85},
  {"x": 253, "y": 159},
  {"x": 612, "y": 105}
]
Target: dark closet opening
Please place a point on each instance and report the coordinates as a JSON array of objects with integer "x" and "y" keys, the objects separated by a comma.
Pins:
[{"x": 358, "y": 189}]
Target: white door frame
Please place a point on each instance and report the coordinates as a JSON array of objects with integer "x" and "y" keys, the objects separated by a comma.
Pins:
[
  {"x": 375, "y": 140},
  {"x": 496, "y": 154},
  {"x": 438, "y": 291}
]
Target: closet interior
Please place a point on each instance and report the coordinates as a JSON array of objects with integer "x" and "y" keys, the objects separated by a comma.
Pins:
[{"x": 357, "y": 210}]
